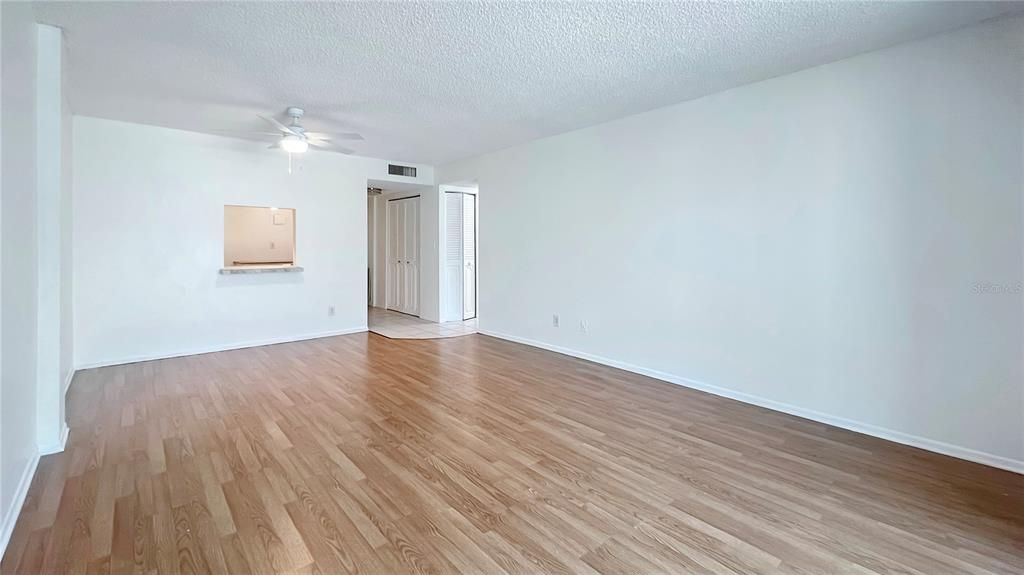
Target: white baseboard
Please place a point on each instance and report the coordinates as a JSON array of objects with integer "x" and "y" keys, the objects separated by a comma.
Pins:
[
  {"x": 216, "y": 348},
  {"x": 59, "y": 445},
  {"x": 67, "y": 380},
  {"x": 10, "y": 517},
  {"x": 11, "y": 514},
  {"x": 859, "y": 427}
]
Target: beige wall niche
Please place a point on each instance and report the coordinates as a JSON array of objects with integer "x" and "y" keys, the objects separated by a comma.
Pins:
[{"x": 258, "y": 236}]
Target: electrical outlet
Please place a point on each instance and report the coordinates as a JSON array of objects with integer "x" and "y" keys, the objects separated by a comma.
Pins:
[
  {"x": 583, "y": 325},
  {"x": 554, "y": 320},
  {"x": 330, "y": 310}
]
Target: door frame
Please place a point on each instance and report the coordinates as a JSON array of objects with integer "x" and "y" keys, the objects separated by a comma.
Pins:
[{"x": 387, "y": 254}]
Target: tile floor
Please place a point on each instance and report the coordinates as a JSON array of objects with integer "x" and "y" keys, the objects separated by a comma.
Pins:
[{"x": 401, "y": 326}]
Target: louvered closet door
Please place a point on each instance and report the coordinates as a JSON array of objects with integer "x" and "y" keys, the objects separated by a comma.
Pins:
[
  {"x": 453, "y": 250},
  {"x": 468, "y": 256}
]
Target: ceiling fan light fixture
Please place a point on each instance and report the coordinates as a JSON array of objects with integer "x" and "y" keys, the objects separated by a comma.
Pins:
[{"x": 294, "y": 144}]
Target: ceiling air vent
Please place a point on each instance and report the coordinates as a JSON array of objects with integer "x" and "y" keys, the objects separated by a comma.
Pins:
[{"x": 396, "y": 170}]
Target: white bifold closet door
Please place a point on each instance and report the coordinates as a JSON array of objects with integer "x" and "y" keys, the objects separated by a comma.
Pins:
[
  {"x": 403, "y": 255},
  {"x": 460, "y": 256},
  {"x": 468, "y": 256}
]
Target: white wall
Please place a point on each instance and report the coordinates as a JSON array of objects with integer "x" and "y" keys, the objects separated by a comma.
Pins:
[
  {"x": 148, "y": 234},
  {"x": 17, "y": 260},
  {"x": 67, "y": 359},
  {"x": 843, "y": 242},
  {"x": 430, "y": 229},
  {"x": 32, "y": 257}
]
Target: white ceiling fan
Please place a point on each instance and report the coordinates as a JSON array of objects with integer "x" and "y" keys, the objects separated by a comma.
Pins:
[{"x": 294, "y": 139}]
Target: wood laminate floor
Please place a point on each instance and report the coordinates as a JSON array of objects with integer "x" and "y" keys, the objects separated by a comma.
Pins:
[{"x": 360, "y": 454}]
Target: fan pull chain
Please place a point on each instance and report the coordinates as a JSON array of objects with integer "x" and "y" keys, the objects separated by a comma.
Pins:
[{"x": 289, "y": 162}]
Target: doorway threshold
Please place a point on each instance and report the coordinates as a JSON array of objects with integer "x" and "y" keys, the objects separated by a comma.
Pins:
[{"x": 397, "y": 325}]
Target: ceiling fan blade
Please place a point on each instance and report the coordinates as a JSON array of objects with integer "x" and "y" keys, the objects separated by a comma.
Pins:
[
  {"x": 237, "y": 134},
  {"x": 337, "y": 136},
  {"x": 274, "y": 146},
  {"x": 316, "y": 139},
  {"x": 329, "y": 147},
  {"x": 279, "y": 125}
]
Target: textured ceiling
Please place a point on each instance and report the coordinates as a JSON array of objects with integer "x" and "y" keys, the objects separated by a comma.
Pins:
[{"x": 432, "y": 82}]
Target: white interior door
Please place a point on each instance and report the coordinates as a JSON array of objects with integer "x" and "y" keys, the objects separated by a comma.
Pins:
[
  {"x": 403, "y": 255},
  {"x": 453, "y": 263},
  {"x": 468, "y": 256},
  {"x": 400, "y": 255},
  {"x": 394, "y": 258},
  {"x": 412, "y": 256}
]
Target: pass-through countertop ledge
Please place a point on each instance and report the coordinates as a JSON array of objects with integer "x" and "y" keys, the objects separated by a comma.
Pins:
[{"x": 261, "y": 269}]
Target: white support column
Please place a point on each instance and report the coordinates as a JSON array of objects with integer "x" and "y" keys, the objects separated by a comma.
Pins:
[{"x": 49, "y": 102}]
